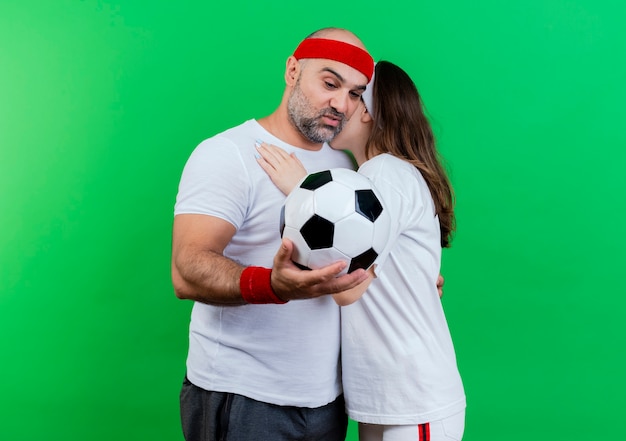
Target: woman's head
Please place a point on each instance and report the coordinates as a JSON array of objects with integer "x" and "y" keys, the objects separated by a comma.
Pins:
[
  {"x": 355, "y": 133},
  {"x": 401, "y": 128},
  {"x": 400, "y": 125},
  {"x": 390, "y": 117},
  {"x": 393, "y": 121}
]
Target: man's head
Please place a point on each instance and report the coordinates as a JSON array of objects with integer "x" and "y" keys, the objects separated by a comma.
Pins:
[
  {"x": 339, "y": 45},
  {"x": 326, "y": 76}
]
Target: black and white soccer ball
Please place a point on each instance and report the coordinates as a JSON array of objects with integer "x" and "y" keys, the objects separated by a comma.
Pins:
[{"x": 334, "y": 215}]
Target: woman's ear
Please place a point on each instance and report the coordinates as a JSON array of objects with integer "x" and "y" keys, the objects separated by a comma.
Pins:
[{"x": 365, "y": 115}]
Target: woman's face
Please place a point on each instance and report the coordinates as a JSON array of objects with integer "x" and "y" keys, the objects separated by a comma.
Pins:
[{"x": 355, "y": 132}]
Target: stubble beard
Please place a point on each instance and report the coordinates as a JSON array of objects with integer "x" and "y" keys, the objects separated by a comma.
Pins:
[{"x": 308, "y": 121}]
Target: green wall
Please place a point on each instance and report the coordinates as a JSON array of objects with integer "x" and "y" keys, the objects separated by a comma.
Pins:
[{"x": 101, "y": 103}]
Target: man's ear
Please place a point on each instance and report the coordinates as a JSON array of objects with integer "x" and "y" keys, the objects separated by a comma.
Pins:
[{"x": 292, "y": 71}]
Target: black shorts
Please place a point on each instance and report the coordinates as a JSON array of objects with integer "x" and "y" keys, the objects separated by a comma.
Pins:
[{"x": 221, "y": 416}]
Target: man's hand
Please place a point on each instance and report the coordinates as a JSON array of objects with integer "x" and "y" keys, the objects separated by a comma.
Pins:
[{"x": 291, "y": 283}]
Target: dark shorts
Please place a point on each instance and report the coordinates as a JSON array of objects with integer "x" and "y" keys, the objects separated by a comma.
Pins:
[{"x": 221, "y": 416}]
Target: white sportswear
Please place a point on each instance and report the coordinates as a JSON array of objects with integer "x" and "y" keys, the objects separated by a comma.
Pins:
[
  {"x": 399, "y": 365},
  {"x": 280, "y": 354}
]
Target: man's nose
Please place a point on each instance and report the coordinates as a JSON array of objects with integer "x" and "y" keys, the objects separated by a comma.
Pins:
[{"x": 341, "y": 102}]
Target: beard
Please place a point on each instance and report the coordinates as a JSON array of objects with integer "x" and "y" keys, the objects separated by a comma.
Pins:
[{"x": 308, "y": 121}]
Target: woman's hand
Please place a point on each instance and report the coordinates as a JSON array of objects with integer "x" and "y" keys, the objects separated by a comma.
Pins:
[{"x": 284, "y": 169}]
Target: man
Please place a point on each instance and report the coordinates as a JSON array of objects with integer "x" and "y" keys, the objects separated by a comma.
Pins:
[{"x": 263, "y": 359}]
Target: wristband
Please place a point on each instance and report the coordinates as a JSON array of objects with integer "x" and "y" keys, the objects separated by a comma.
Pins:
[{"x": 256, "y": 288}]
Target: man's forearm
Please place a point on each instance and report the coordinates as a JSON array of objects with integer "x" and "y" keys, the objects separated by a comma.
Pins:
[{"x": 207, "y": 277}]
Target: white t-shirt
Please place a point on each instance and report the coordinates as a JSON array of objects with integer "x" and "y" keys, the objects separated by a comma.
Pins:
[
  {"x": 399, "y": 365},
  {"x": 281, "y": 354}
]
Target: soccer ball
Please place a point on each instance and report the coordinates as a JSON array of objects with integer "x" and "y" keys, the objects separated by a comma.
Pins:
[{"x": 333, "y": 215}]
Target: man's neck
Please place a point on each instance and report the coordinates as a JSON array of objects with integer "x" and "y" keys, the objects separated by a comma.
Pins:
[{"x": 278, "y": 125}]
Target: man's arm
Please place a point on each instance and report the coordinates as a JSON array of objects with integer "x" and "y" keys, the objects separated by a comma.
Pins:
[{"x": 200, "y": 272}]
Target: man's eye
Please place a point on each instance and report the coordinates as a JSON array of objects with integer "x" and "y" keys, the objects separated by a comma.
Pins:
[
  {"x": 355, "y": 95},
  {"x": 330, "y": 85}
]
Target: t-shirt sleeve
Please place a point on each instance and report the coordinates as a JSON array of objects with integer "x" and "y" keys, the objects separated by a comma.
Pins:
[
  {"x": 398, "y": 199},
  {"x": 214, "y": 182}
]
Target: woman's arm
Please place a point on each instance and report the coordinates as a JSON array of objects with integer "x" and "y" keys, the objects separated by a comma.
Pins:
[{"x": 349, "y": 296}]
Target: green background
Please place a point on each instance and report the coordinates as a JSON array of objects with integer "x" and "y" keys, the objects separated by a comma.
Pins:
[{"x": 102, "y": 102}]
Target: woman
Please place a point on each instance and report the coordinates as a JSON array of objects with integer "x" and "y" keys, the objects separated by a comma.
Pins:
[{"x": 400, "y": 376}]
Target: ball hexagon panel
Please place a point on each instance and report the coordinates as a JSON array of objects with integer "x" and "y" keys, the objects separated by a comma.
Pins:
[
  {"x": 334, "y": 201},
  {"x": 301, "y": 250},
  {"x": 301, "y": 207},
  {"x": 351, "y": 178},
  {"x": 353, "y": 235},
  {"x": 382, "y": 229},
  {"x": 320, "y": 258}
]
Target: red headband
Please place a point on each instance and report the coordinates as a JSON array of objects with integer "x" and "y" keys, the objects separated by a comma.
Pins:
[{"x": 335, "y": 50}]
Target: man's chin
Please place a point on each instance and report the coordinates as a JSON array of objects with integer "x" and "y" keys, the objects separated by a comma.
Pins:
[
  {"x": 321, "y": 133},
  {"x": 329, "y": 132}
]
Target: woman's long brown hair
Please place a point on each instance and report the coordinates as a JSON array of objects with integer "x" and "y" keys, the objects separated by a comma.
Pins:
[{"x": 401, "y": 129}]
